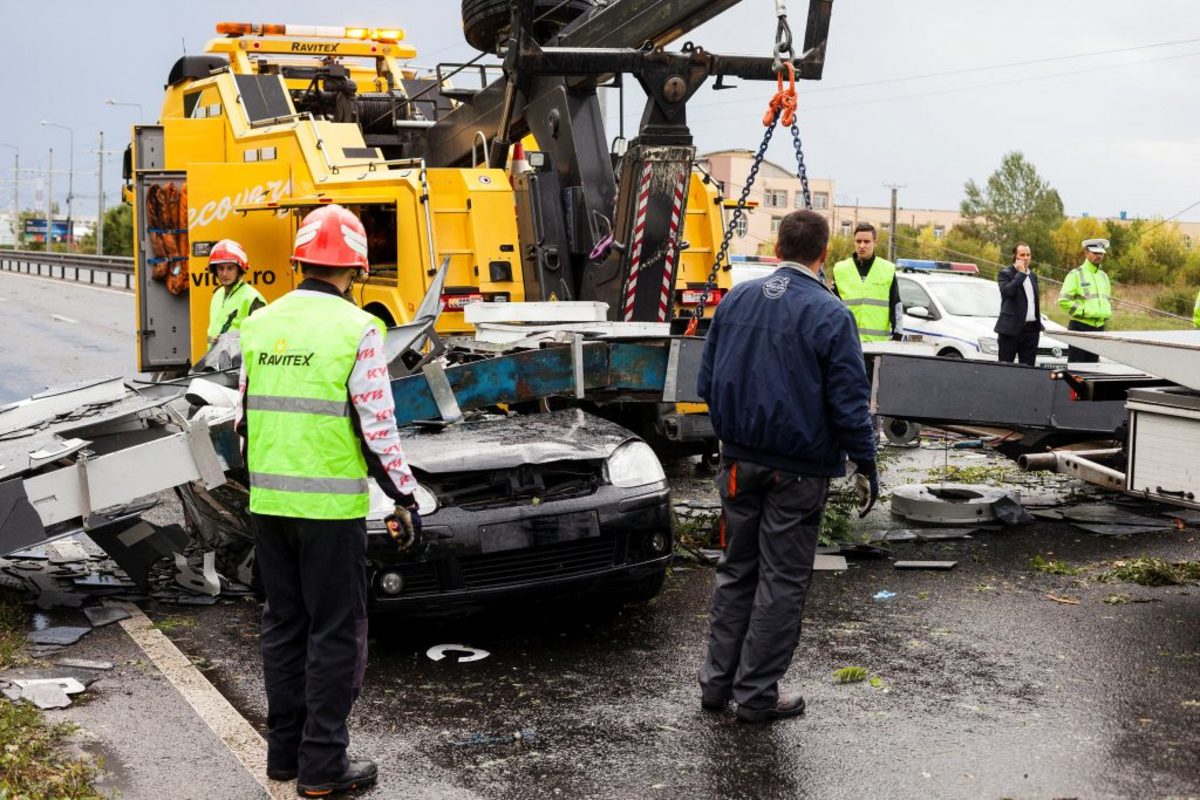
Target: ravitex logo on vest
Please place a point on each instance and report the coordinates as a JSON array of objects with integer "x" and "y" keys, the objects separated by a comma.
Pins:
[
  {"x": 775, "y": 287},
  {"x": 282, "y": 358}
]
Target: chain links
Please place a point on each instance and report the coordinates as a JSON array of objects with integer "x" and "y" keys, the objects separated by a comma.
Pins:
[
  {"x": 802, "y": 171},
  {"x": 738, "y": 212}
]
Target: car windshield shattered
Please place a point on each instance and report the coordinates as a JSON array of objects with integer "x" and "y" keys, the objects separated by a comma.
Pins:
[{"x": 968, "y": 298}]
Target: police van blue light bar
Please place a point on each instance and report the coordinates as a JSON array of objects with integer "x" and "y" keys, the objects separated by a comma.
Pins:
[
  {"x": 736, "y": 259},
  {"x": 922, "y": 265}
]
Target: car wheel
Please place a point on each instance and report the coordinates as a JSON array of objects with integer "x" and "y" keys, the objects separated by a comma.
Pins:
[
  {"x": 486, "y": 22},
  {"x": 950, "y": 352}
]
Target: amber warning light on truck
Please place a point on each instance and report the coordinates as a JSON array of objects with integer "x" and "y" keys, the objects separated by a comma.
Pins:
[{"x": 388, "y": 35}]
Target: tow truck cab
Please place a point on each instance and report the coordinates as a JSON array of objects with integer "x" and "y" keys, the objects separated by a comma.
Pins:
[{"x": 273, "y": 121}]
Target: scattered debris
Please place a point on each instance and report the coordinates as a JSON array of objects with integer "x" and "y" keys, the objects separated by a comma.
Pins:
[
  {"x": 1186, "y": 516},
  {"x": 1117, "y": 599},
  {"x": 1070, "y": 601},
  {"x": 61, "y": 636},
  {"x": 84, "y": 663},
  {"x": 849, "y": 551},
  {"x": 44, "y": 696},
  {"x": 1152, "y": 572},
  {"x": 439, "y": 652},
  {"x": 1102, "y": 514},
  {"x": 206, "y": 581},
  {"x": 1120, "y": 530},
  {"x": 927, "y": 534},
  {"x": 940, "y": 565},
  {"x": 825, "y": 563},
  {"x": 850, "y": 674},
  {"x": 884, "y": 595},
  {"x": 1010, "y": 512},
  {"x": 1053, "y": 567},
  {"x": 525, "y": 736},
  {"x": 100, "y": 616},
  {"x": 951, "y": 503}
]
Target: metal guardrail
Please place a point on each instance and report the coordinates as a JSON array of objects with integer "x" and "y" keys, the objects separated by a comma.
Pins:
[{"x": 79, "y": 267}]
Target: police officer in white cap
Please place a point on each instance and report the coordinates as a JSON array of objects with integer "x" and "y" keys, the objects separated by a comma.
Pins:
[{"x": 1086, "y": 297}]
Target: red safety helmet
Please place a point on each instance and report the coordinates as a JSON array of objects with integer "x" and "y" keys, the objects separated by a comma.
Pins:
[
  {"x": 227, "y": 251},
  {"x": 331, "y": 236}
]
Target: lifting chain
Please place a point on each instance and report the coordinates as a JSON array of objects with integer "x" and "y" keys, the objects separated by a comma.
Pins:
[{"x": 783, "y": 104}]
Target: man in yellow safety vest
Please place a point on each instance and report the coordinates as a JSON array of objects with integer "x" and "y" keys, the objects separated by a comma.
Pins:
[
  {"x": 866, "y": 283},
  {"x": 1086, "y": 297},
  {"x": 233, "y": 299},
  {"x": 318, "y": 418}
]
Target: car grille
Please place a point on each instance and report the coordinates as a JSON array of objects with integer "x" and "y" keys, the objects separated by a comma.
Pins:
[
  {"x": 538, "y": 563},
  {"x": 519, "y": 486},
  {"x": 419, "y": 579}
]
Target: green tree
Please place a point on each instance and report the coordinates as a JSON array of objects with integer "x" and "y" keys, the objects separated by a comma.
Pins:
[
  {"x": 1159, "y": 255},
  {"x": 1066, "y": 251},
  {"x": 118, "y": 230},
  {"x": 1015, "y": 204}
]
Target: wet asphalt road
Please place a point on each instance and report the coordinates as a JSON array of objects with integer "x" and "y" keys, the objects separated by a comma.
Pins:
[
  {"x": 988, "y": 688},
  {"x": 55, "y": 333}
]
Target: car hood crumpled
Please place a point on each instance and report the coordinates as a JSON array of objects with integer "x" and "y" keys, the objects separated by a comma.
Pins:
[{"x": 513, "y": 441}]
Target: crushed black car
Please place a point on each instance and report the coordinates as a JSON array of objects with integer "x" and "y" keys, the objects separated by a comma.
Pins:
[{"x": 556, "y": 504}]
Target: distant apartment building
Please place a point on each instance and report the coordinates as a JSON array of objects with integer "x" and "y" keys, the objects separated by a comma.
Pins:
[{"x": 778, "y": 191}]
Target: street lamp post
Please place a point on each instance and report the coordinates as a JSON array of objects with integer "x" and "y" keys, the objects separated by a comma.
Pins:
[
  {"x": 70, "y": 181},
  {"x": 16, "y": 220},
  {"x": 113, "y": 102}
]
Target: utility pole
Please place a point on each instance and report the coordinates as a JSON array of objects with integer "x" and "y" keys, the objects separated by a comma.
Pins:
[
  {"x": 49, "y": 202},
  {"x": 895, "y": 187},
  {"x": 16, "y": 191},
  {"x": 100, "y": 198}
]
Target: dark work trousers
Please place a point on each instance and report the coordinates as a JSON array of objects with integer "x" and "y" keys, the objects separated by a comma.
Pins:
[
  {"x": 314, "y": 639},
  {"x": 772, "y": 519},
  {"x": 1021, "y": 348},
  {"x": 1076, "y": 355}
]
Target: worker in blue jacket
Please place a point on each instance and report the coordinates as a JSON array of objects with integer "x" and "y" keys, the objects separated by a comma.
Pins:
[{"x": 783, "y": 377}]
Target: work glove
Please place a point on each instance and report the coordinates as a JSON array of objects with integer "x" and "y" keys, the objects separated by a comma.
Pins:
[
  {"x": 866, "y": 486},
  {"x": 404, "y": 526}
]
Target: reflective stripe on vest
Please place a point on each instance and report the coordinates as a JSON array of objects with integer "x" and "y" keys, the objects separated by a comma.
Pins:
[
  {"x": 868, "y": 299},
  {"x": 298, "y": 405},
  {"x": 303, "y": 454},
  {"x": 290, "y": 483}
]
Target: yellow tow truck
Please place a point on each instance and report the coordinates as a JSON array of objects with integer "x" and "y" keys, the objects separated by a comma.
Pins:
[{"x": 274, "y": 120}]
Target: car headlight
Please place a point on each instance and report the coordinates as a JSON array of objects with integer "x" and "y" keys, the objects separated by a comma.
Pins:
[
  {"x": 989, "y": 346},
  {"x": 426, "y": 501},
  {"x": 634, "y": 464}
]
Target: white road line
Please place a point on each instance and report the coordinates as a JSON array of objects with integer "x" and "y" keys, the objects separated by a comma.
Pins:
[
  {"x": 247, "y": 746},
  {"x": 61, "y": 318}
]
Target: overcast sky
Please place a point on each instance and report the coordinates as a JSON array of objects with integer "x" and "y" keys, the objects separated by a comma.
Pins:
[{"x": 1112, "y": 131}]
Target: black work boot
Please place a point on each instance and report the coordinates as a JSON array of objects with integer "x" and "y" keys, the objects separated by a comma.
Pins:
[
  {"x": 788, "y": 705},
  {"x": 359, "y": 775}
]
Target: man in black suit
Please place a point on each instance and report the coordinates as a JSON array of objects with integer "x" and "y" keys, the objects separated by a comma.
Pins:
[{"x": 1020, "y": 323}]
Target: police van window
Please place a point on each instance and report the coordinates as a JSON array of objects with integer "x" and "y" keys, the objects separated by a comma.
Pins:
[
  {"x": 380, "y": 224},
  {"x": 913, "y": 295}
]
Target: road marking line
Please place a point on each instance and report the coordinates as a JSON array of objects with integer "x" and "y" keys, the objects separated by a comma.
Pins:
[
  {"x": 60, "y": 282},
  {"x": 61, "y": 318},
  {"x": 247, "y": 746}
]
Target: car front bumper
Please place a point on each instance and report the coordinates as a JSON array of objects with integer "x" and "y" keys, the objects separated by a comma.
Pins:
[{"x": 607, "y": 540}]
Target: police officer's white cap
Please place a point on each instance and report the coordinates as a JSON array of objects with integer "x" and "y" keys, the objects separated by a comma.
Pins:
[{"x": 1095, "y": 245}]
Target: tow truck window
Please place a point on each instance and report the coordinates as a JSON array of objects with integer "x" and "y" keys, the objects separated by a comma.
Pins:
[
  {"x": 379, "y": 220},
  {"x": 263, "y": 96}
]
